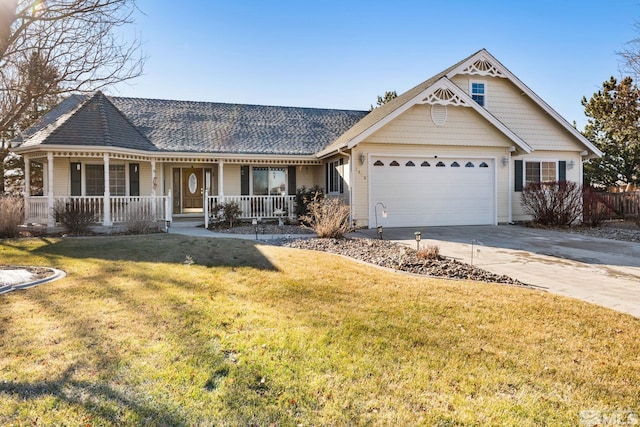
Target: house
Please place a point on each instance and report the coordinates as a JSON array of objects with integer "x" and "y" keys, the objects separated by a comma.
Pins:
[{"x": 456, "y": 149}]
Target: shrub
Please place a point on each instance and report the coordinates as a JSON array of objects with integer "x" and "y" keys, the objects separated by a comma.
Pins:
[
  {"x": 229, "y": 212},
  {"x": 11, "y": 215},
  {"x": 596, "y": 208},
  {"x": 329, "y": 218},
  {"x": 304, "y": 196},
  {"x": 553, "y": 203},
  {"x": 74, "y": 217},
  {"x": 141, "y": 222},
  {"x": 430, "y": 252}
]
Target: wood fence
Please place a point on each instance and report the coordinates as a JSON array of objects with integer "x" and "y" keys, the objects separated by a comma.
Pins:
[{"x": 612, "y": 205}]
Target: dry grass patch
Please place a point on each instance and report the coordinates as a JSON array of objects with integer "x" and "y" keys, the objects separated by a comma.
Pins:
[{"x": 264, "y": 335}]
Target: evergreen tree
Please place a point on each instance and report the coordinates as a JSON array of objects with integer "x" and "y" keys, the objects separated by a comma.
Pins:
[{"x": 613, "y": 126}]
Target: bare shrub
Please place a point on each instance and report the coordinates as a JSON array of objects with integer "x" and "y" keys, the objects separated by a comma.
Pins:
[
  {"x": 304, "y": 196},
  {"x": 556, "y": 203},
  {"x": 74, "y": 217},
  {"x": 11, "y": 215},
  {"x": 596, "y": 208},
  {"x": 430, "y": 252},
  {"x": 329, "y": 218},
  {"x": 141, "y": 222},
  {"x": 228, "y": 212}
]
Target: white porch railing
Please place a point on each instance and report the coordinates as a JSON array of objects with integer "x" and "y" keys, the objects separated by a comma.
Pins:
[
  {"x": 121, "y": 208},
  {"x": 256, "y": 206},
  {"x": 157, "y": 208}
]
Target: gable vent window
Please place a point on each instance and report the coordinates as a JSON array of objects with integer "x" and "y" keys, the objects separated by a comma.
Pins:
[
  {"x": 440, "y": 165},
  {"x": 410, "y": 163},
  {"x": 439, "y": 114},
  {"x": 394, "y": 163},
  {"x": 425, "y": 164},
  {"x": 469, "y": 165},
  {"x": 484, "y": 165},
  {"x": 479, "y": 92},
  {"x": 455, "y": 165},
  {"x": 378, "y": 163}
]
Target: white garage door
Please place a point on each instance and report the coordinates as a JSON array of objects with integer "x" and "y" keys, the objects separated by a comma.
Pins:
[{"x": 432, "y": 191}]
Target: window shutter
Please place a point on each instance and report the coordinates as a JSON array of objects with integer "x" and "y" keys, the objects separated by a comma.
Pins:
[
  {"x": 291, "y": 180},
  {"x": 341, "y": 163},
  {"x": 518, "y": 165},
  {"x": 244, "y": 180},
  {"x": 76, "y": 179},
  {"x": 134, "y": 179},
  {"x": 327, "y": 173},
  {"x": 562, "y": 170}
]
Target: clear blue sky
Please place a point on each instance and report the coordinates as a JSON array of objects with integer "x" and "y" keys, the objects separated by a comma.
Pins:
[{"x": 342, "y": 54}]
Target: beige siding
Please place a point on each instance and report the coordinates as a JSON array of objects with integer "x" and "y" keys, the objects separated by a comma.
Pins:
[
  {"x": 523, "y": 116},
  {"x": 61, "y": 177},
  {"x": 361, "y": 187},
  {"x": 232, "y": 183},
  {"x": 146, "y": 181},
  {"x": 463, "y": 127},
  {"x": 306, "y": 175}
]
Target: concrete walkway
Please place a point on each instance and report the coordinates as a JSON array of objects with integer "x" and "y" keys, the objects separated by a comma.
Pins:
[{"x": 600, "y": 271}]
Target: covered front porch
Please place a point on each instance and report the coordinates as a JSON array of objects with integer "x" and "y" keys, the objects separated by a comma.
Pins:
[{"x": 161, "y": 189}]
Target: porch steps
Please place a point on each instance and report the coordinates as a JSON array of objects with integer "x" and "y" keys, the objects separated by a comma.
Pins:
[{"x": 187, "y": 222}]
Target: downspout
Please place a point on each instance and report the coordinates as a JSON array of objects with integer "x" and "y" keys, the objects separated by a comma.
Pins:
[{"x": 350, "y": 184}]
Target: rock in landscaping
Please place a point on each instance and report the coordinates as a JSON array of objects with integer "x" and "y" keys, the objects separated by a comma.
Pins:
[{"x": 397, "y": 257}]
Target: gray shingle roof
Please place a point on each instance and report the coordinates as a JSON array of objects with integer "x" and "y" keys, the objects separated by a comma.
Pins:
[
  {"x": 207, "y": 127},
  {"x": 92, "y": 121},
  {"x": 184, "y": 126}
]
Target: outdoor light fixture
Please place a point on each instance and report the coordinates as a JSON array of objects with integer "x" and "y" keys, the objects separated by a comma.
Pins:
[
  {"x": 505, "y": 161},
  {"x": 254, "y": 222},
  {"x": 418, "y": 236},
  {"x": 384, "y": 215},
  {"x": 571, "y": 164},
  {"x": 363, "y": 158}
]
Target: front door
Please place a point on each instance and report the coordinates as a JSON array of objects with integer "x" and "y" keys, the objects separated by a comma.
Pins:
[{"x": 192, "y": 189}]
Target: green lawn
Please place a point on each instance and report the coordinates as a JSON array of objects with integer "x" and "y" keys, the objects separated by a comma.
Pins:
[{"x": 259, "y": 335}]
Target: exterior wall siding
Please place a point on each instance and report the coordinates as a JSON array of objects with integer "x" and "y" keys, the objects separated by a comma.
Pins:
[
  {"x": 231, "y": 179},
  {"x": 61, "y": 177},
  {"x": 522, "y": 115},
  {"x": 463, "y": 127},
  {"x": 305, "y": 175}
]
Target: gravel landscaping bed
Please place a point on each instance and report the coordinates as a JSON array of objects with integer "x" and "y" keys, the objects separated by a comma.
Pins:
[
  {"x": 610, "y": 232},
  {"x": 398, "y": 257}
]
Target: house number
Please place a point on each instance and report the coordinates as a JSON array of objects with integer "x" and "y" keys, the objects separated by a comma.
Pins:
[{"x": 193, "y": 183}]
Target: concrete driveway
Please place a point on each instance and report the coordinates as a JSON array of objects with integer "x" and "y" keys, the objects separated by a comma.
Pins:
[{"x": 601, "y": 271}]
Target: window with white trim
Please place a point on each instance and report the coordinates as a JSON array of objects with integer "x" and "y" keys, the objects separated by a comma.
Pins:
[
  {"x": 478, "y": 92},
  {"x": 335, "y": 181},
  {"x": 269, "y": 181},
  {"x": 94, "y": 180},
  {"x": 535, "y": 172}
]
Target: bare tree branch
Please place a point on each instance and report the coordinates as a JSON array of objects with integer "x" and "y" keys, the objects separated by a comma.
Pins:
[{"x": 55, "y": 47}]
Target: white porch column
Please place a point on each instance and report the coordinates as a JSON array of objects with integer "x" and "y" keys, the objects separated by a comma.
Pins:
[
  {"x": 27, "y": 188},
  {"x": 154, "y": 185},
  {"x": 107, "y": 193},
  {"x": 52, "y": 219},
  {"x": 220, "y": 179}
]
